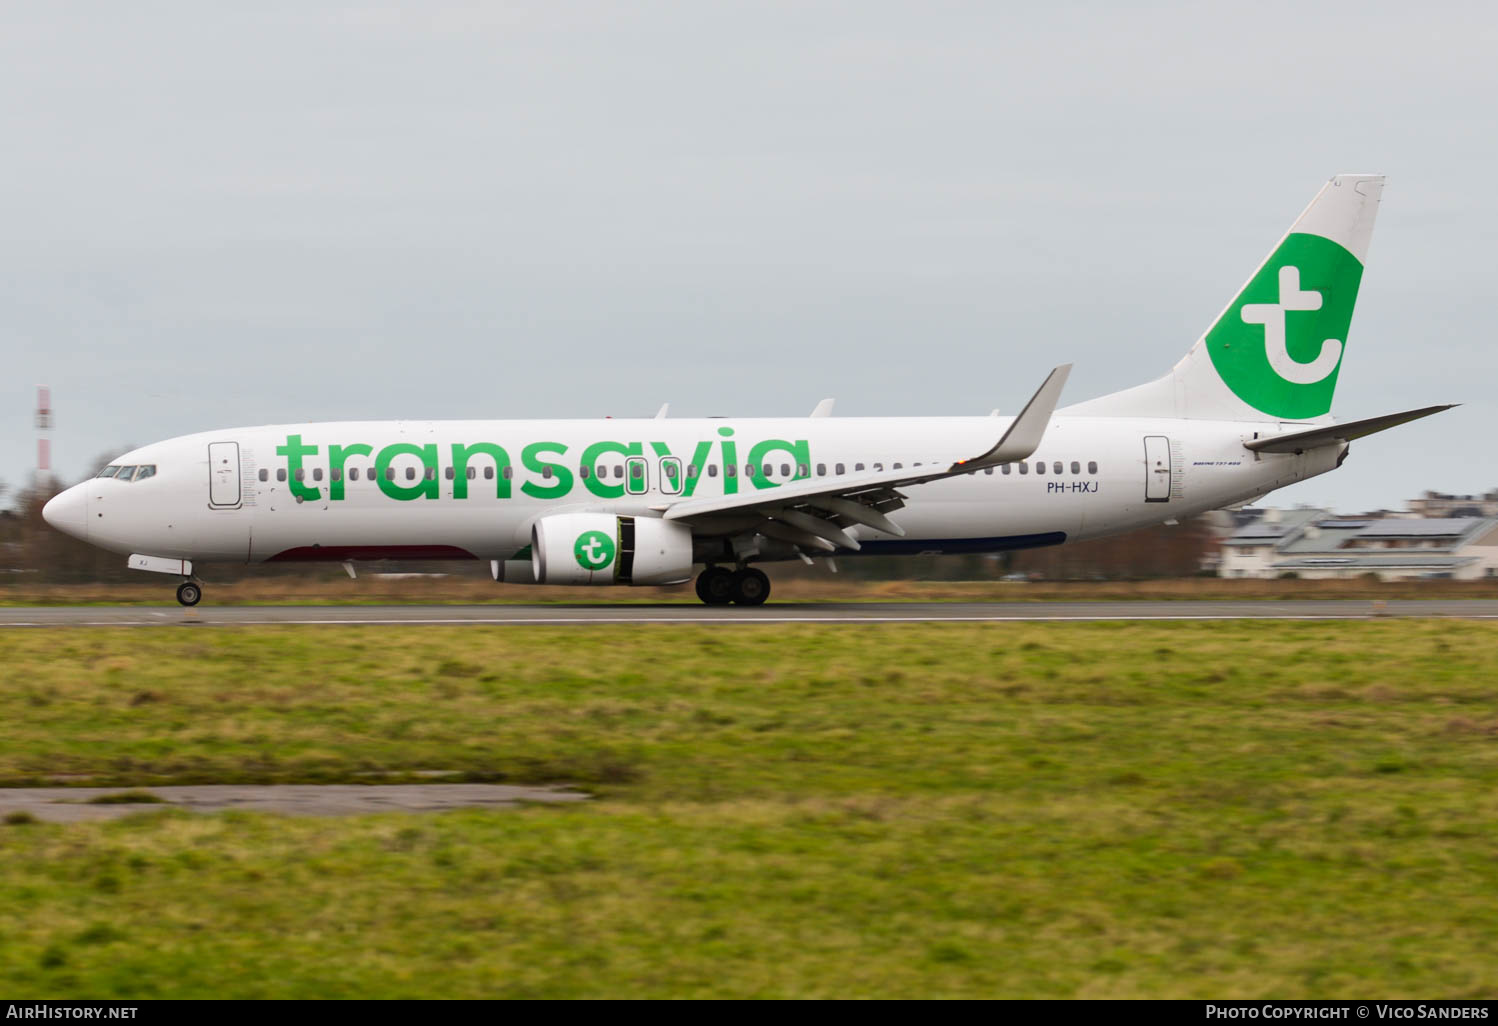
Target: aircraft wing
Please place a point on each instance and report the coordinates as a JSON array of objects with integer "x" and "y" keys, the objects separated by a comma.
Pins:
[
  {"x": 1300, "y": 441},
  {"x": 816, "y": 513}
]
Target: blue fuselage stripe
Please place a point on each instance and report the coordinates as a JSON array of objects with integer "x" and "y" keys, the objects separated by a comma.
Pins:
[{"x": 914, "y": 546}]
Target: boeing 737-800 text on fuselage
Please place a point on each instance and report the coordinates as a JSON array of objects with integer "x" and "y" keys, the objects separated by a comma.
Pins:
[{"x": 1247, "y": 410}]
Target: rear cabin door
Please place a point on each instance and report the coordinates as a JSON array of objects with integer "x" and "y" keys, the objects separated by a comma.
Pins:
[
  {"x": 1156, "y": 468},
  {"x": 223, "y": 475}
]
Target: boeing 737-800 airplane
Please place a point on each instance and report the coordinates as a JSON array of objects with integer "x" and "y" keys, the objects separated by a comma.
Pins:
[{"x": 1247, "y": 410}]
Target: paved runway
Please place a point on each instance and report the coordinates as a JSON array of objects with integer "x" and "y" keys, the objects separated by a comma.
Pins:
[{"x": 820, "y": 612}]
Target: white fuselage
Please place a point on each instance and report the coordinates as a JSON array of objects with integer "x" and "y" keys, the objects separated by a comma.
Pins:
[{"x": 473, "y": 489}]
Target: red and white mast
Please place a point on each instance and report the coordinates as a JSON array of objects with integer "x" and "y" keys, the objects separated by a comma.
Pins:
[{"x": 43, "y": 437}]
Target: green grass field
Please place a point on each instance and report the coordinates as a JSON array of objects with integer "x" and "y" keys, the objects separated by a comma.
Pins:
[{"x": 1095, "y": 810}]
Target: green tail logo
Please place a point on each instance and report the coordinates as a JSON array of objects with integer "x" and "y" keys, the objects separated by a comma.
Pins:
[{"x": 1279, "y": 347}]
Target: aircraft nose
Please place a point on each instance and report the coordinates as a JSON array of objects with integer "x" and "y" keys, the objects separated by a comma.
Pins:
[{"x": 68, "y": 511}]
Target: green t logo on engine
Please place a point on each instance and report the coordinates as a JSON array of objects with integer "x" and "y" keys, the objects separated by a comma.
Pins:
[{"x": 594, "y": 550}]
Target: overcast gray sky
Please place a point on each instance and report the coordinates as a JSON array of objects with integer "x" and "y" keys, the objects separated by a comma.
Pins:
[{"x": 308, "y": 211}]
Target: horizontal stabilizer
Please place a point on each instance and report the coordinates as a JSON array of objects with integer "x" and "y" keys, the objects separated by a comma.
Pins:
[{"x": 1300, "y": 441}]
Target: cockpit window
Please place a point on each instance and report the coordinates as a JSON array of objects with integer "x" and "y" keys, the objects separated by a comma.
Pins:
[{"x": 138, "y": 473}]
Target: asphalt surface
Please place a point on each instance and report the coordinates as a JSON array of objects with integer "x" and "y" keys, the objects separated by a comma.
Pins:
[
  {"x": 821, "y": 612},
  {"x": 73, "y": 804}
]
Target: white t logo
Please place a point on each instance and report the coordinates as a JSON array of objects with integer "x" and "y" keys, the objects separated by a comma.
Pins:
[{"x": 1272, "y": 316}]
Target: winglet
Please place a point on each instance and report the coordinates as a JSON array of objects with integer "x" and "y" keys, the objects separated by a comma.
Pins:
[
  {"x": 1025, "y": 433},
  {"x": 823, "y": 409}
]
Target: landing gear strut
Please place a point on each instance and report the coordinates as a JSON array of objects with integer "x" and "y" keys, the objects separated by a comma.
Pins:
[
  {"x": 717, "y": 586},
  {"x": 189, "y": 593}
]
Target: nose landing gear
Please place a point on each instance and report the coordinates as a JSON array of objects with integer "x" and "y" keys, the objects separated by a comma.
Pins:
[
  {"x": 717, "y": 586},
  {"x": 189, "y": 593}
]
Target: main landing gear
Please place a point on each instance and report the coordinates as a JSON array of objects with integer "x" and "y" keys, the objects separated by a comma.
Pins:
[
  {"x": 189, "y": 593},
  {"x": 718, "y": 586}
]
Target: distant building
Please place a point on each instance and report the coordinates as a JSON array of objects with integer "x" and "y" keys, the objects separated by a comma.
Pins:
[
  {"x": 1439, "y": 504},
  {"x": 1316, "y": 543}
]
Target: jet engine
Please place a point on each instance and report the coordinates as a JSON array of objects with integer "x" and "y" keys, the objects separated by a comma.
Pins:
[{"x": 600, "y": 548}]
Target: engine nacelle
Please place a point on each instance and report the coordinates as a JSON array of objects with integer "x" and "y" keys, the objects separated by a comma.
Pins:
[{"x": 600, "y": 548}]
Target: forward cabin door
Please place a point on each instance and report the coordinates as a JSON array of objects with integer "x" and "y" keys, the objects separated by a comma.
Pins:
[
  {"x": 1156, "y": 468},
  {"x": 223, "y": 475}
]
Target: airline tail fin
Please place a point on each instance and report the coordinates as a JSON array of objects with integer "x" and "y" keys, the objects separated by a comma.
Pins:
[{"x": 1275, "y": 352}]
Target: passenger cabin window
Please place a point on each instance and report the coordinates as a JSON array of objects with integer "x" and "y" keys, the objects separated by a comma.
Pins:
[
  {"x": 336, "y": 473},
  {"x": 748, "y": 469},
  {"x": 712, "y": 470},
  {"x": 895, "y": 466},
  {"x": 988, "y": 471},
  {"x": 1040, "y": 466},
  {"x": 618, "y": 471},
  {"x": 821, "y": 470},
  {"x": 488, "y": 473},
  {"x": 691, "y": 470},
  {"x": 431, "y": 474},
  {"x": 802, "y": 471},
  {"x": 1006, "y": 468},
  {"x": 264, "y": 474},
  {"x": 353, "y": 473},
  {"x": 473, "y": 472},
  {"x": 1056, "y": 466},
  {"x": 281, "y": 474},
  {"x": 410, "y": 473},
  {"x": 582, "y": 472},
  {"x": 785, "y": 470},
  {"x": 670, "y": 479},
  {"x": 731, "y": 470},
  {"x": 546, "y": 472},
  {"x": 317, "y": 473},
  {"x": 1076, "y": 468},
  {"x": 509, "y": 472},
  {"x": 1092, "y": 466},
  {"x": 858, "y": 466},
  {"x": 1024, "y": 468},
  {"x": 769, "y": 470},
  {"x": 839, "y": 469},
  {"x": 451, "y": 473},
  {"x": 389, "y": 473}
]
